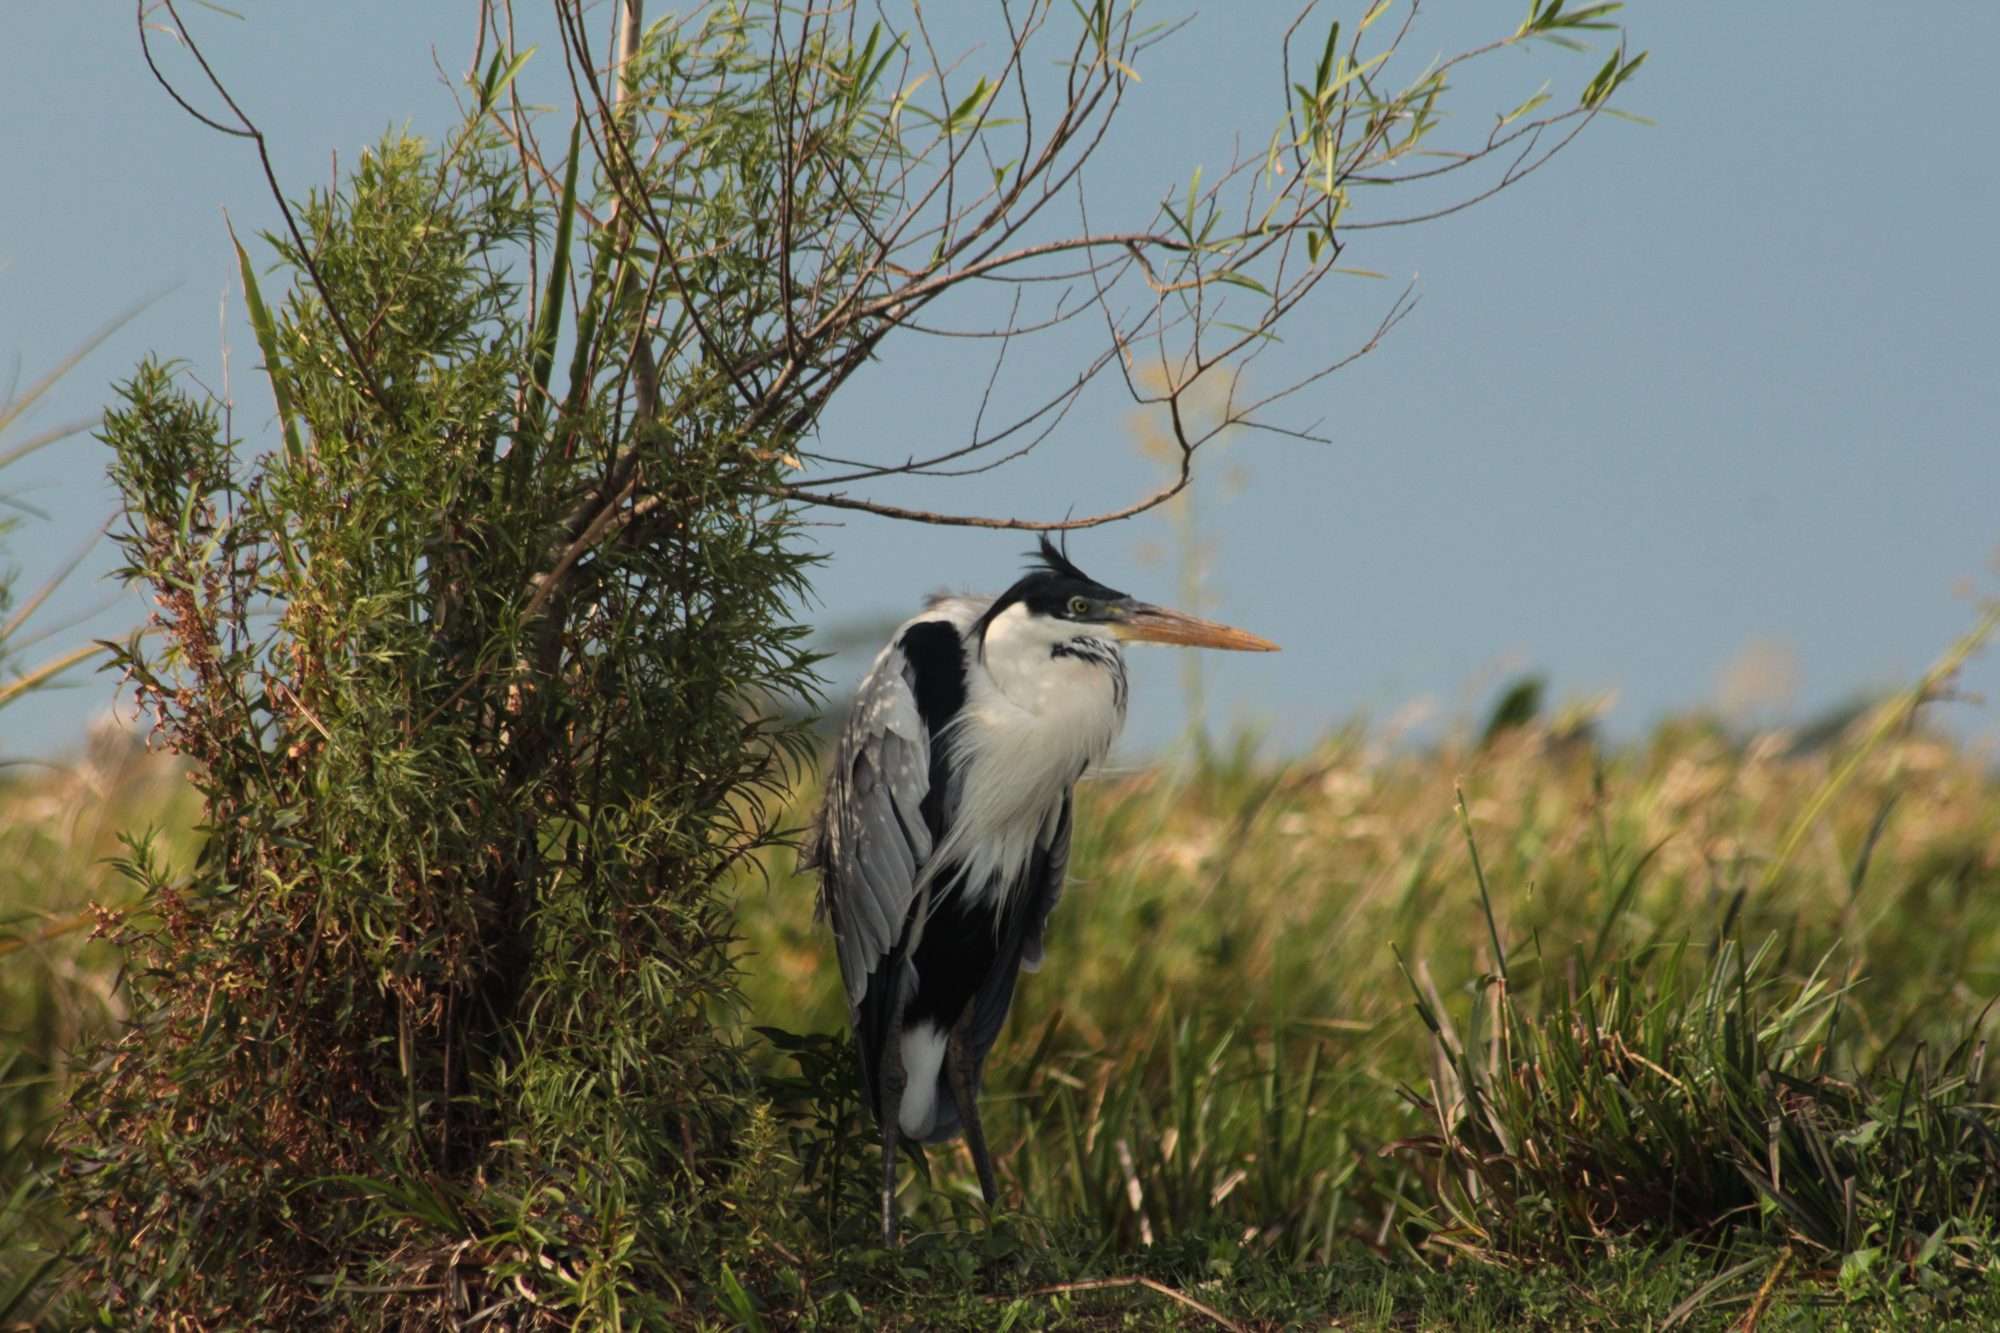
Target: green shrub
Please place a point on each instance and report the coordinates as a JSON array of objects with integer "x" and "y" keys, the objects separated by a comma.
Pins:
[{"x": 428, "y": 1023}]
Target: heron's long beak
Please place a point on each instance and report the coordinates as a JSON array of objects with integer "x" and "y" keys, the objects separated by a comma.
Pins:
[{"x": 1156, "y": 624}]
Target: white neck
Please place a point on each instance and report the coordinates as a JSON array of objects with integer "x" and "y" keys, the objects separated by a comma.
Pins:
[{"x": 1034, "y": 721}]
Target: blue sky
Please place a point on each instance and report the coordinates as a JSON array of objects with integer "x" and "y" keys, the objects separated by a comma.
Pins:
[{"x": 1717, "y": 389}]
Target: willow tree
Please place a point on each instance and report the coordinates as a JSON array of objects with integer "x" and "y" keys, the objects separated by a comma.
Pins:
[{"x": 479, "y": 651}]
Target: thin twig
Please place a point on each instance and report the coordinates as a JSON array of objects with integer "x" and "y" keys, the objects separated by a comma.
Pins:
[
  {"x": 1748, "y": 1323},
  {"x": 248, "y": 130}
]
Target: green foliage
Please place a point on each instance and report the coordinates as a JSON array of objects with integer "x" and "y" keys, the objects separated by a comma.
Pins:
[
  {"x": 431, "y": 1015},
  {"x": 1667, "y": 1098},
  {"x": 60, "y": 826}
]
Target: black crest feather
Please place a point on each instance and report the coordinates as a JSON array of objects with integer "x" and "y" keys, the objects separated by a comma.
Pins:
[
  {"x": 1050, "y": 576},
  {"x": 1056, "y": 561}
]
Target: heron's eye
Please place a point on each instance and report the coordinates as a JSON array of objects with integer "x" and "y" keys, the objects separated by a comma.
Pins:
[{"x": 1079, "y": 605}]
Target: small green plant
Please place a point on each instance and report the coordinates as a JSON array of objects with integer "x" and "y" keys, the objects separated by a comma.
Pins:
[
  {"x": 432, "y": 1003},
  {"x": 832, "y": 1136}
]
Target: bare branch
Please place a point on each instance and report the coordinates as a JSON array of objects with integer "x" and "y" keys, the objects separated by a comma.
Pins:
[
  {"x": 246, "y": 129},
  {"x": 868, "y": 219}
]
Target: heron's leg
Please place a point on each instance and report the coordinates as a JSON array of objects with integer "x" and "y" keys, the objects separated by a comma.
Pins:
[
  {"x": 959, "y": 1063},
  {"x": 891, "y": 1082}
]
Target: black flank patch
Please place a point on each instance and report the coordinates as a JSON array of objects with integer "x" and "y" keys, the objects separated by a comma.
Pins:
[{"x": 960, "y": 947}]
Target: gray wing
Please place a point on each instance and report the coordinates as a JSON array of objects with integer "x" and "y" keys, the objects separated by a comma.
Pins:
[{"x": 874, "y": 840}]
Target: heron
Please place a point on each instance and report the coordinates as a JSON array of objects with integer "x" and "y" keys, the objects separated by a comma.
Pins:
[{"x": 944, "y": 837}]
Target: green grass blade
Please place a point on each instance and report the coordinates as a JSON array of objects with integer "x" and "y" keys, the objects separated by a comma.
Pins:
[
  {"x": 267, "y": 342},
  {"x": 47, "y": 672},
  {"x": 548, "y": 322}
]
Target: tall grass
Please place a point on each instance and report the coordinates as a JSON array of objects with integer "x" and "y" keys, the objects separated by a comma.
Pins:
[{"x": 1525, "y": 999}]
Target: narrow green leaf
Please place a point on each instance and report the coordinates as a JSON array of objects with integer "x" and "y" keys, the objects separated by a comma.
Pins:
[
  {"x": 267, "y": 342},
  {"x": 865, "y": 61},
  {"x": 738, "y": 1301},
  {"x": 1531, "y": 104},
  {"x": 902, "y": 99},
  {"x": 1324, "y": 70},
  {"x": 1599, "y": 86},
  {"x": 966, "y": 109},
  {"x": 1353, "y": 72},
  {"x": 497, "y": 81},
  {"x": 1235, "y": 279},
  {"x": 1626, "y": 71},
  {"x": 1485, "y": 895},
  {"x": 1630, "y": 116},
  {"x": 1591, "y": 16},
  {"x": 548, "y": 322},
  {"x": 1272, "y": 169},
  {"x": 1931, "y": 1246}
]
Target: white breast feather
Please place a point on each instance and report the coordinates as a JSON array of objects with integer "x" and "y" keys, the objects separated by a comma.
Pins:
[{"x": 1032, "y": 724}]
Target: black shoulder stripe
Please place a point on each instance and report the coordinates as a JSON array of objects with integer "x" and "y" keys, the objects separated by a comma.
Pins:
[
  {"x": 937, "y": 659},
  {"x": 937, "y": 667}
]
